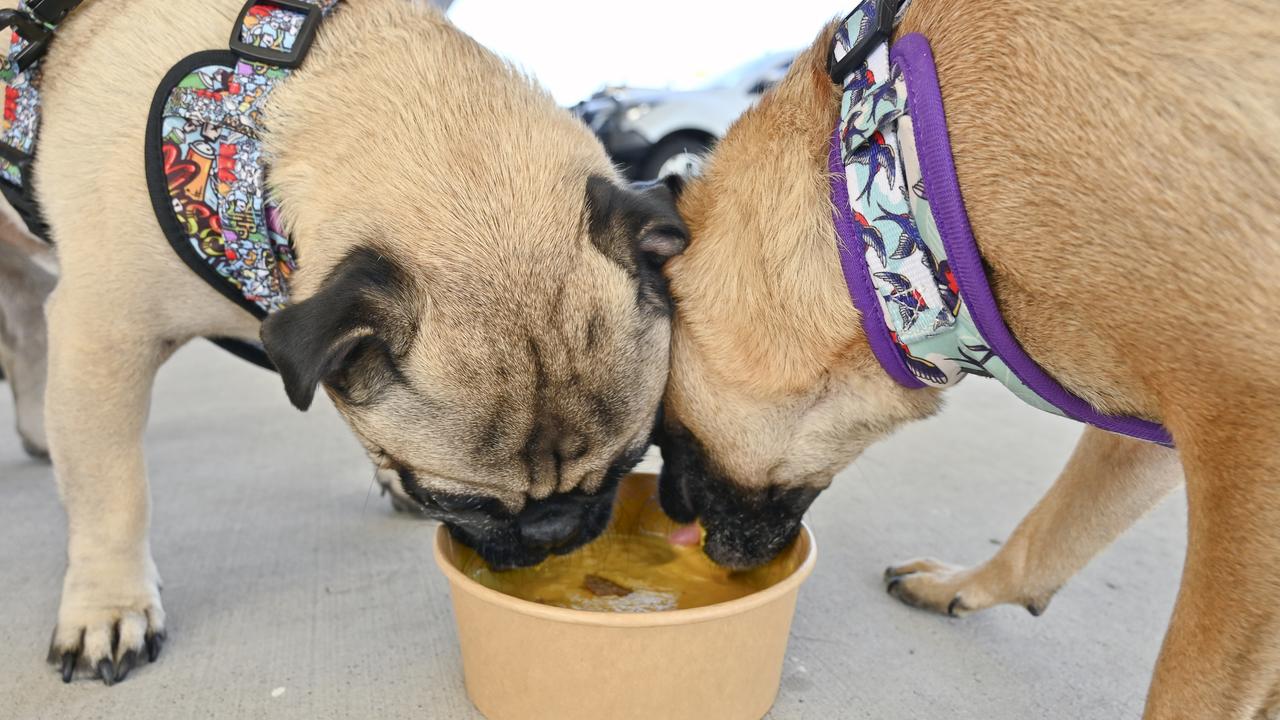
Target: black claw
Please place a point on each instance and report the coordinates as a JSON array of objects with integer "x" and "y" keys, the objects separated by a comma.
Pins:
[
  {"x": 953, "y": 605},
  {"x": 126, "y": 664},
  {"x": 154, "y": 644},
  {"x": 68, "y": 665},
  {"x": 889, "y": 574},
  {"x": 107, "y": 671},
  {"x": 893, "y": 584}
]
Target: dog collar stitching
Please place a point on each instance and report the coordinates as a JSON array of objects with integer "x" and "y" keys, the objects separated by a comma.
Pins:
[{"x": 911, "y": 264}]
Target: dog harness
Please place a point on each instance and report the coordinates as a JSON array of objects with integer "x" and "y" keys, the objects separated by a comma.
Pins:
[
  {"x": 32, "y": 25},
  {"x": 205, "y": 168},
  {"x": 910, "y": 261}
]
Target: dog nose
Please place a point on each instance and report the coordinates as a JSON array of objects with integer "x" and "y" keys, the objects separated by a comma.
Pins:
[{"x": 549, "y": 525}]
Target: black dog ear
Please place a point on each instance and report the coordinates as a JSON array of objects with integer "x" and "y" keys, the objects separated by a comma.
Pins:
[
  {"x": 309, "y": 341},
  {"x": 666, "y": 236},
  {"x": 674, "y": 183},
  {"x": 637, "y": 220}
]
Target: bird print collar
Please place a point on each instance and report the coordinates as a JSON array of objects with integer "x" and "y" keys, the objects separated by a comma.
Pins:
[{"x": 906, "y": 247}]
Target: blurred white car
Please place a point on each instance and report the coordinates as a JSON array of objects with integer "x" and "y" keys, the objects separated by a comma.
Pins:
[{"x": 654, "y": 133}]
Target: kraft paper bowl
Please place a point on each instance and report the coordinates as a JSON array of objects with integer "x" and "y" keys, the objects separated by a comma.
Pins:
[{"x": 527, "y": 661}]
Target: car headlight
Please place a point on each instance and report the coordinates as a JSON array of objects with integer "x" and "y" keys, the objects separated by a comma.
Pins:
[{"x": 635, "y": 112}]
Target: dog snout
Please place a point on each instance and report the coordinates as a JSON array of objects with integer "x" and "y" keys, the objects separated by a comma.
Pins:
[
  {"x": 748, "y": 528},
  {"x": 556, "y": 525},
  {"x": 746, "y": 525},
  {"x": 550, "y": 525}
]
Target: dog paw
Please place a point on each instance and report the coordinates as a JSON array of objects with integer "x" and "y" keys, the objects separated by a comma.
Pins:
[
  {"x": 951, "y": 590},
  {"x": 389, "y": 482},
  {"x": 108, "y": 624},
  {"x": 931, "y": 585}
]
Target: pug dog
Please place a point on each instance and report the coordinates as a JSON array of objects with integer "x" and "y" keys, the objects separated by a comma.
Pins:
[
  {"x": 1121, "y": 169},
  {"x": 478, "y": 292}
]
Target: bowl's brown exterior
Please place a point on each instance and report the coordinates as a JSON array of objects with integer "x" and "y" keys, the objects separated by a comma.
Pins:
[{"x": 526, "y": 661}]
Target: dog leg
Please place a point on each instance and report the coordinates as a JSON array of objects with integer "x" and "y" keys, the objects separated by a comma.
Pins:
[
  {"x": 1221, "y": 656},
  {"x": 100, "y": 377},
  {"x": 1109, "y": 482},
  {"x": 25, "y": 286}
]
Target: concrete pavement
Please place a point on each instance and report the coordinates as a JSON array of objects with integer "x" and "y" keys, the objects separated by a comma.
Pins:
[{"x": 293, "y": 590}]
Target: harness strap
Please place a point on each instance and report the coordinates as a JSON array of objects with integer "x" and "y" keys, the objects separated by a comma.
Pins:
[
  {"x": 32, "y": 24},
  {"x": 206, "y": 168}
]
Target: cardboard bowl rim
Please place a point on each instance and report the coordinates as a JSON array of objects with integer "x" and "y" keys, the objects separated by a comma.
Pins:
[{"x": 459, "y": 582}]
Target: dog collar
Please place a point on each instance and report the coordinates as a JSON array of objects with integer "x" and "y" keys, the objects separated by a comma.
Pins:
[{"x": 910, "y": 261}]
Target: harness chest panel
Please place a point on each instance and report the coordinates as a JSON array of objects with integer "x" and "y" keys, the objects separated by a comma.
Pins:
[
  {"x": 208, "y": 181},
  {"x": 206, "y": 170}
]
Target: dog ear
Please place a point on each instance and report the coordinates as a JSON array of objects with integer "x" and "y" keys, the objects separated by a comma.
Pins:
[
  {"x": 666, "y": 236},
  {"x": 674, "y": 183},
  {"x": 637, "y": 220},
  {"x": 309, "y": 341}
]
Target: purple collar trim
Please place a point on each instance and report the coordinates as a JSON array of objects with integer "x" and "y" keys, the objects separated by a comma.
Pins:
[{"x": 913, "y": 55}]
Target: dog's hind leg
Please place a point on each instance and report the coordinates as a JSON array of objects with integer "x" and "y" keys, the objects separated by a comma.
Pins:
[
  {"x": 1109, "y": 482},
  {"x": 25, "y": 284},
  {"x": 1221, "y": 656},
  {"x": 102, "y": 362}
]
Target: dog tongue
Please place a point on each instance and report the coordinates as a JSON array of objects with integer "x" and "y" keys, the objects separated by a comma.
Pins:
[{"x": 687, "y": 535}]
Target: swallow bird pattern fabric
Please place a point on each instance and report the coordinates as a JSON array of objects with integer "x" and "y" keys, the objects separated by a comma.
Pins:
[{"x": 928, "y": 320}]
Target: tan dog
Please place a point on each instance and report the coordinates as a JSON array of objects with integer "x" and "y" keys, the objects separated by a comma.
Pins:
[
  {"x": 479, "y": 294},
  {"x": 1121, "y": 165}
]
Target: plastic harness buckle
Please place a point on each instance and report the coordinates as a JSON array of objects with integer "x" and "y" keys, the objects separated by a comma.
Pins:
[
  {"x": 886, "y": 12},
  {"x": 290, "y": 58},
  {"x": 36, "y": 33},
  {"x": 51, "y": 12}
]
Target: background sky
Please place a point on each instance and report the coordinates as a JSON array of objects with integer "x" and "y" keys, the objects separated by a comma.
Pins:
[{"x": 575, "y": 47}]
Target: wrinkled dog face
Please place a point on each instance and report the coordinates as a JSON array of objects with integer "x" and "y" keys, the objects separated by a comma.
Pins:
[
  {"x": 773, "y": 388},
  {"x": 510, "y": 387}
]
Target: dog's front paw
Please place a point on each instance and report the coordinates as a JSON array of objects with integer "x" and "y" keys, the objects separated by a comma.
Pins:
[{"x": 110, "y": 620}]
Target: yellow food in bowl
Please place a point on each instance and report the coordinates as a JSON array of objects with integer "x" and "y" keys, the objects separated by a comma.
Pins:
[{"x": 632, "y": 567}]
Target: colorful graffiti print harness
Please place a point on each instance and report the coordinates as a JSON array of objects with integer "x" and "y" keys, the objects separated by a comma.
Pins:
[
  {"x": 205, "y": 164},
  {"x": 31, "y": 25},
  {"x": 909, "y": 257}
]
